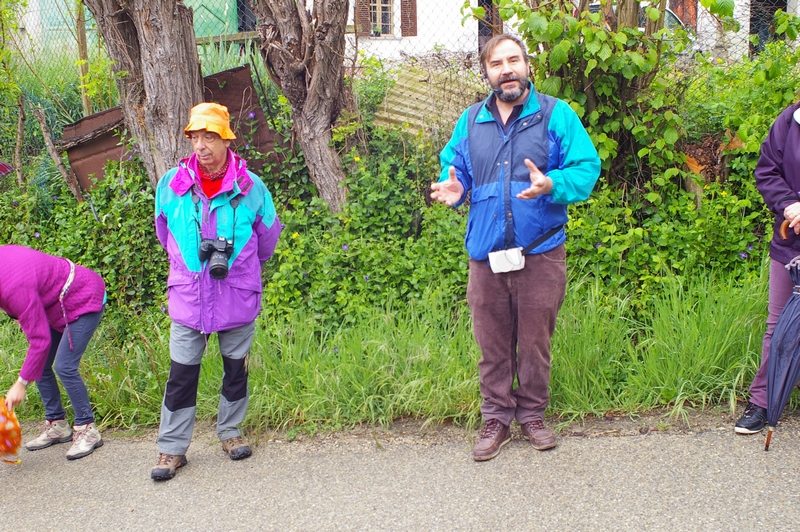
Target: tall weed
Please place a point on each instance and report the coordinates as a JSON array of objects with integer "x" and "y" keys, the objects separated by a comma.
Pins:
[{"x": 593, "y": 350}]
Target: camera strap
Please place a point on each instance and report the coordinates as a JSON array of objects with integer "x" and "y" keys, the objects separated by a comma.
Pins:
[
  {"x": 234, "y": 202},
  {"x": 533, "y": 245}
]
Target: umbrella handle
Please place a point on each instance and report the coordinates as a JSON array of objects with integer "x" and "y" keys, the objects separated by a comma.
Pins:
[
  {"x": 769, "y": 437},
  {"x": 783, "y": 233}
]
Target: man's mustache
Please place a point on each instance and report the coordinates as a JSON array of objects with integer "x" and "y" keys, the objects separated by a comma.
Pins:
[{"x": 508, "y": 78}]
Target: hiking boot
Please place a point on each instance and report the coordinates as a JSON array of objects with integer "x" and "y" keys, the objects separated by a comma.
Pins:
[
  {"x": 540, "y": 437},
  {"x": 57, "y": 431},
  {"x": 752, "y": 421},
  {"x": 493, "y": 436},
  {"x": 85, "y": 440},
  {"x": 236, "y": 448},
  {"x": 167, "y": 466}
]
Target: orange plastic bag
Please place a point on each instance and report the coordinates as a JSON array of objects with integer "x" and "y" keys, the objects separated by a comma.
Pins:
[{"x": 10, "y": 434}]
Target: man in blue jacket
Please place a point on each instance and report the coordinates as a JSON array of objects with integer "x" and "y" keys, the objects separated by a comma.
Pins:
[{"x": 524, "y": 156}]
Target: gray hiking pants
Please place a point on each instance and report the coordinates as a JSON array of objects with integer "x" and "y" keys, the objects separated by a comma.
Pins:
[{"x": 186, "y": 347}]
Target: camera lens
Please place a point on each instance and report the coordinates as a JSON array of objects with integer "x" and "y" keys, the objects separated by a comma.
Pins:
[{"x": 218, "y": 265}]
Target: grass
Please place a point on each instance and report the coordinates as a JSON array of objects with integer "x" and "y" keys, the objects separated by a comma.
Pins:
[
  {"x": 702, "y": 343},
  {"x": 593, "y": 350},
  {"x": 695, "y": 344}
]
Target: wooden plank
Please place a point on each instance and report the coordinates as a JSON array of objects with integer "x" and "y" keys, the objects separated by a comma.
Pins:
[
  {"x": 421, "y": 100},
  {"x": 241, "y": 37}
]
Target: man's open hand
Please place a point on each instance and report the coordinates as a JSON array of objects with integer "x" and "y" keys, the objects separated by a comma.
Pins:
[
  {"x": 448, "y": 192},
  {"x": 540, "y": 183}
]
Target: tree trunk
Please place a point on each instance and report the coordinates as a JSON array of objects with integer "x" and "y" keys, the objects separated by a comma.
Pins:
[
  {"x": 304, "y": 56},
  {"x": 627, "y": 14},
  {"x": 153, "y": 47}
]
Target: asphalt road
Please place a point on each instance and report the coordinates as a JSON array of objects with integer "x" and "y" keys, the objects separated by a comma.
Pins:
[{"x": 632, "y": 477}]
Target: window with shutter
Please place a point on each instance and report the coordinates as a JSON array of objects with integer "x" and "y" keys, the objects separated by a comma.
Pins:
[
  {"x": 376, "y": 18},
  {"x": 381, "y": 15}
]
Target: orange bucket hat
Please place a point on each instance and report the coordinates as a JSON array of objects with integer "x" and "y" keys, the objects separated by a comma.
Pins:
[{"x": 211, "y": 117}]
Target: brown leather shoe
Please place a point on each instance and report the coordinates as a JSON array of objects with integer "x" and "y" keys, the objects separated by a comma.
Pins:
[
  {"x": 541, "y": 438},
  {"x": 167, "y": 466},
  {"x": 493, "y": 436},
  {"x": 236, "y": 448}
]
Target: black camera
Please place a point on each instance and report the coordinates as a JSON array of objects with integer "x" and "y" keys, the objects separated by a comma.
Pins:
[{"x": 216, "y": 252}]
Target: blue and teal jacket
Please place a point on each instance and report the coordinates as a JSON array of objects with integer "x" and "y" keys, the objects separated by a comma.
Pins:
[
  {"x": 489, "y": 162},
  {"x": 243, "y": 212}
]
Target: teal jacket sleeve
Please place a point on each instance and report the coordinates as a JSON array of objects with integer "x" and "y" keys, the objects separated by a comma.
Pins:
[
  {"x": 579, "y": 164},
  {"x": 455, "y": 153}
]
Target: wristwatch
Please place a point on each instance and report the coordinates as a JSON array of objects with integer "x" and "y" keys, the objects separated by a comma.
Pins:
[{"x": 23, "y": 381}]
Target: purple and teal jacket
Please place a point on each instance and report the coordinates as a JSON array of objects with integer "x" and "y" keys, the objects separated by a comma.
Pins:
[{"x": 243, "y": 212}]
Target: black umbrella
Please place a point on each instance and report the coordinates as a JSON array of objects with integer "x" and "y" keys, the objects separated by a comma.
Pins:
[{"x": 783, "y": 366}]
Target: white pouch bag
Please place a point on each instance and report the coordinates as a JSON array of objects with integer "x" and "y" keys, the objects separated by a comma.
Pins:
[{"x": 506, "y": 260}]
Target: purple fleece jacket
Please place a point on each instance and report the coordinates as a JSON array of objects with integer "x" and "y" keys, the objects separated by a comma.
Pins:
[
  {"x": 778, "y": 178},
  {"x": 30, "y": 286}
]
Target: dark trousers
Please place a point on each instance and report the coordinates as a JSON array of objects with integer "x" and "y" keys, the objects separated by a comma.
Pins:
[
  {"x": 513, "y": 318},
  {"x": 63, "y": 360}
]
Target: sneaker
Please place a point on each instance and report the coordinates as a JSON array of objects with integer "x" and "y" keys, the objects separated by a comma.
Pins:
[
  {"x": 493, "y": 437},
  {"x": 540, "y": 437},
  {"x": 167, "y": 466},
  {"x": 753, "y": 420},
  {"x": 236, "y": 448},
  {"x": 57, "y": 431},
  {"x": 85, "y": 440}
]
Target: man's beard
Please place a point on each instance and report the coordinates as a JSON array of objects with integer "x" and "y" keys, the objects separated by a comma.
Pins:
[{"x": 510, "y": 95}]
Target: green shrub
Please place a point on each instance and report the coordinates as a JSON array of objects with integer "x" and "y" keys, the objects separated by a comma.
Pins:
[
  {"x": 111, "y": 232},
  {"x": 372, "y": 85},
  {"x": 386, "y": 243},
  {"x": 743, "y": 98}
]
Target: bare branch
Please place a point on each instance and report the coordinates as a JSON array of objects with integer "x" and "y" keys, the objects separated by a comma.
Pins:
[
  {"x": 20, "y": 139},
  {"x": 69, "y": 177}
]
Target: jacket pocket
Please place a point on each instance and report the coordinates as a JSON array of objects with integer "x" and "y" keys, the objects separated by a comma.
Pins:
[
  {"x": 235, "y": 306},
  {"x": 183, "y": 297}
]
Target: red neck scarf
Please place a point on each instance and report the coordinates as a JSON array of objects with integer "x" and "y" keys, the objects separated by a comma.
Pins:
[{"x": 211, "y": 182}]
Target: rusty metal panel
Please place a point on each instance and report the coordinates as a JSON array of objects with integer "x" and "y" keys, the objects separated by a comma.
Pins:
[
  {"x": 94, "y": 140},
  {"x": 234, "y": 89}
]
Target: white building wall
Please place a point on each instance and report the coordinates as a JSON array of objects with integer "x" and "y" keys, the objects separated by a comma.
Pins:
[{"x": 439, "y": 29}]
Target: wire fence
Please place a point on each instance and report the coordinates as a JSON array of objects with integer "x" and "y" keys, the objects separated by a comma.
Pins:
[{"x": 429, "y": 34}]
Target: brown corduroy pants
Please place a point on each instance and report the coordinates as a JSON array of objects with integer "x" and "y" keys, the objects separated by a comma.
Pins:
[{"x": 513, "y": 318}]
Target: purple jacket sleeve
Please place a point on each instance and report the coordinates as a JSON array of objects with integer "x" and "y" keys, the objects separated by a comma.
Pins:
[
  {"x": 161, "y": 229},
  {"x": 33, "y": 321},
  {"x": 267, "y": 238},
  {"x": 769, "y": 173}
]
